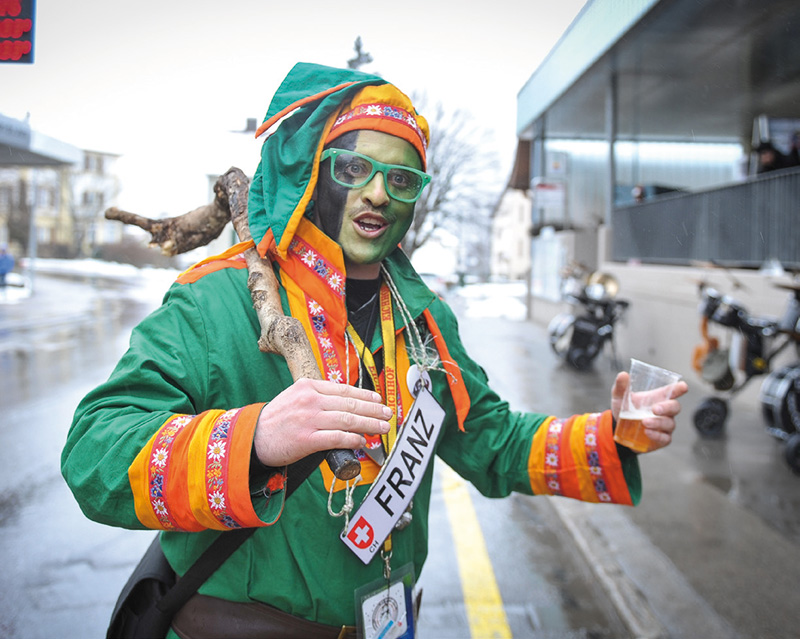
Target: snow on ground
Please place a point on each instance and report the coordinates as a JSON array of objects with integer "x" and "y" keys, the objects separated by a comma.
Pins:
[
  {"x": 16, "y": 289},
  {"x": 491, "y": 299},
  {"x": 494, "y": 299},
  {"x": 143, "y": 280}
]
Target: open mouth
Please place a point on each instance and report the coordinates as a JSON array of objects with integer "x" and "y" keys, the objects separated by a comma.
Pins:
[{"x": 371, "y": 225}]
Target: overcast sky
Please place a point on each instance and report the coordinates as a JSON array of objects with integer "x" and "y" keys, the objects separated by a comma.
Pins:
[{"x": 164, "y": 82}]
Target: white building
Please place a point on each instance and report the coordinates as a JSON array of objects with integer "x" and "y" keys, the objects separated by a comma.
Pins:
[
  {"x": 511, "y": 225},
  {"x": 56, "y": 189},
  {"x": 511, "y": 233}
]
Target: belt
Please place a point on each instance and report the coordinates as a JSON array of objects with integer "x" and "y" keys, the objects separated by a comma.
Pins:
[{"x": 206, "y": 617}]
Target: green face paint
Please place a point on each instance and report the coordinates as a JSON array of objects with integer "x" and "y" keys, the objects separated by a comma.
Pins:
[{"x": 372, "y": 222}]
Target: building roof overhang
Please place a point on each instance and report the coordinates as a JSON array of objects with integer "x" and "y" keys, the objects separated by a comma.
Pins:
[
  {"x": 22, "y": 146},
  {"x": 682, "y": 70}
]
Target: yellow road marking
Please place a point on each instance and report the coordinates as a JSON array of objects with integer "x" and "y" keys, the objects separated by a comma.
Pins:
[{"x": 485, "y": 612}]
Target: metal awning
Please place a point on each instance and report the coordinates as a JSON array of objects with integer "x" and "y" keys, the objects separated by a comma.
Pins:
[
  {"x": 21, "y": 146},
  {"x": 681, "y": 70}
]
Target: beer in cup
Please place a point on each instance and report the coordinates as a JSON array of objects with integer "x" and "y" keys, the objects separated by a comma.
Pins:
[{"x": 648, "y": 385}]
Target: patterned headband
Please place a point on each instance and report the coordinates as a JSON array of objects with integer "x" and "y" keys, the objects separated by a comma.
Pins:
[{"x": 385, "y": 118}]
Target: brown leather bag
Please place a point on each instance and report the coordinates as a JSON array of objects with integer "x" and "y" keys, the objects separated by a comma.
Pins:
[
  {"x": 153, "y": 594},
  {"x": 205, "y": 617}
]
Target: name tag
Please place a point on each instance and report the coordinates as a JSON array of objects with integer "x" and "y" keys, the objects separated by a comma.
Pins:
[{"x": 392, "y": 491}]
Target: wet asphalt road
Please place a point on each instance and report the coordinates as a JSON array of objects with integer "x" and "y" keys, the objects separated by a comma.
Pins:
[
  {"x": 714, "y": 547},
  {"x": 713, "y": 551},
  {"x": 61, "y": 572}
]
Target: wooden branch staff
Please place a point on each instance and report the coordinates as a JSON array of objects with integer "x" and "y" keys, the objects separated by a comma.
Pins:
[
  {"x": 184, "y": 232},
  {"x": 280, "y": 334}
]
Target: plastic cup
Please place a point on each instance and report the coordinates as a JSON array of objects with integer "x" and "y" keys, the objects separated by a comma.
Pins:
[{"x": 649, "y": 385}]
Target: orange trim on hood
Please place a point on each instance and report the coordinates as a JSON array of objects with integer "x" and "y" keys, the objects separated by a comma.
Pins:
[
  {"x": 267, "y": 124},
  {"x": 230, "y": 257}
]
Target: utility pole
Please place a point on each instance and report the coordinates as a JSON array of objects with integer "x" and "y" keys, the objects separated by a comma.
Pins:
[{"x": 32, "y": 239}]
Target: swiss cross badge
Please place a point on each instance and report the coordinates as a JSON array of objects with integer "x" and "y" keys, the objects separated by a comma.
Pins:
[{"x": 362, "y": 534}]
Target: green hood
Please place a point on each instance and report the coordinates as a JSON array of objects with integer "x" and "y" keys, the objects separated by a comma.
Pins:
[{"x": 287, "y": 156}]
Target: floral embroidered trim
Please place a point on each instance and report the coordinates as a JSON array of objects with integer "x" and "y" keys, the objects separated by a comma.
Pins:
[
  {"x": 593, "y": 458},
  {"x": 219, "y": 442},
  {"x": 319, "y": 324},
  {"x": 318, "y": 265},
  {"x": 385, "y": 112},
  {"x": 159, "y": 468},
  {"x": 321, "y": 268},
  {"x": 552, "y": 456}
]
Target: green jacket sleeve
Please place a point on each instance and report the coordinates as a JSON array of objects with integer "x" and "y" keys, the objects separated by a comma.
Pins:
[
  {"x": 501, "y": 451},
  {"x": 158, "y": 445}
]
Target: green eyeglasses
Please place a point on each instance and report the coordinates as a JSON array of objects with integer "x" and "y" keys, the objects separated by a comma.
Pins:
[{"x": 354, "y": 170}]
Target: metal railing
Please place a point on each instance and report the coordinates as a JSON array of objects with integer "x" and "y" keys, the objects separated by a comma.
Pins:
[{"x": 740, "y": 225}]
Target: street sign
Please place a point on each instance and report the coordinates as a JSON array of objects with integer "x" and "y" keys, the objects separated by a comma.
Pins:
[{"x": 549, "y": 195}]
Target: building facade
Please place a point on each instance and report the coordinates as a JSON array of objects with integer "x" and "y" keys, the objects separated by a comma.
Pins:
[
  {"x": 642, "y": 126},
  {"x": 53, "y": 195},
  {"x": 511, "y": 233}
]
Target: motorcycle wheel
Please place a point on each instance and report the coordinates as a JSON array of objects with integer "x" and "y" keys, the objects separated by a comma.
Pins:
[
  {"x": 710, "y": 416},
  {"x": 560, "y": 332},
  {"x": 780, "y": 399},
  {"x": 792, "y": 453},
  {"x": 581, "y": 358}
]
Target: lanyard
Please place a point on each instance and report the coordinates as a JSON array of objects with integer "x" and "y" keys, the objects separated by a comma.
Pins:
[
  {"x": 389, "y": 363},
  {"x": 390, "y": 379}
]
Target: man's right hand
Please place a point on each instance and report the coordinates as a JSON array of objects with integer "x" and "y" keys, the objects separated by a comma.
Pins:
[{"x": 315, "y": 415}]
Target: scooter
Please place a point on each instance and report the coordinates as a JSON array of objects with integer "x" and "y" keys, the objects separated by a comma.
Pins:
[
  {"x": 755, "y": 343},
  {"x": 579, "y": 337}
]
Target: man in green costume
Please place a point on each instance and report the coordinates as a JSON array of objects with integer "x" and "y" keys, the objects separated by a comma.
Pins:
[{"x": 196, "y": 430}]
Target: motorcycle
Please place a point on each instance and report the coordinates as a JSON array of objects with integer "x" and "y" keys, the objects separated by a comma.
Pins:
[
  {"x": 578, "y": 337},
  {"x": 755, "y": 343}
]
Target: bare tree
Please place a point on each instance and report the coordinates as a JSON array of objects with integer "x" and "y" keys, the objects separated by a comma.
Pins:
[{"x": 466, "y": 181}]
